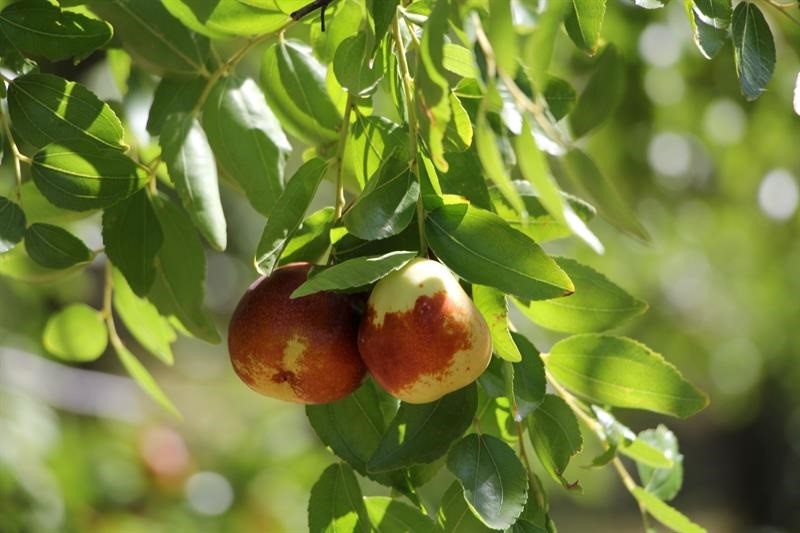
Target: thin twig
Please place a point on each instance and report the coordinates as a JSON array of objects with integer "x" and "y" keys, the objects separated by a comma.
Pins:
[{"x": 18, "y": 156}]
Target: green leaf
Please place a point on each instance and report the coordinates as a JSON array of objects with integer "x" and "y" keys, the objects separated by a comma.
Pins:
[
  {"x": 560, "y": 96},
  {"x": 583, "y": 172},
  {"x": 336, "y": 502},
  {"x": 54, "y": 247},
  {"x": 370, "y": 140},
  {"x": 602, "y": 94},
  {"x": 288, "y": 215},
  {"x": 17, "y": 265},
  {"x": 349, "y": 246},
  {"x": 494, "y": 308},
  {"x": 76, "y": 334},
  {"x": 539, "y": 48},
  {"x": 69, "y": 111},
  {"x": 180, "y": 272},
  {"x": 174, "y": 95},
  {"x": 584, "y": 23},
  {"x": 493, "y": 165},
  {"x": 481, "y": 248},
  {"x": 144, "y": 379},
  {"x": 503, "y": 36},
  {"x": 421, "y": 433},
  {"x": 132, "y": 237},
  {"x": 39, "y": 29},
  {"x": 227, "y": 18},
  {"x": 665, "y": 483},
  {"x": 432, "y": 88},
  {"x": 715, "y": 13},
  {"x": 494, "y": 480},
  {"x": 555, "y": 436},
  {"x": 535, "y": 169},
  {"x": 12, "y": 224},
  {"x": 353, "y": 273},
  {"x": 388, "y": 202},
  {"x": 382, "y": 14},
  {"x": 82, "y": 175},
  {"x": 461, "y": 179},
  {"x": 455, "y": 514},
  {"x": 597, "y": 304},
  {"x": 754, "y": 49},
  {"x": 312, "y": 239},
  {"x": 529, "y": 378},
  {"x": 459, "y": 60},
  {"x": 294, "y": 85},
  {"x": 708, "y": 38},
  {"x": 623, "y": 440},
  {"x": 664, "y": 513},
  {"x": 355, "y": 69},
  {"x": 143, "y": 320},
  {"x": 247, "y": 140},
  {"x": 193, "y": 169},
  {"x": 621, "y": 372},
  {"x": 154, "y": 38},
  {"x": 391, "y": 516}
]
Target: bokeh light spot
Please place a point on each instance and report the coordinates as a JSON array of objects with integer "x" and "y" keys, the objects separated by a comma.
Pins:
[
  {"x": 778, "y": 194},
  {"x": 209, "y": 493}
]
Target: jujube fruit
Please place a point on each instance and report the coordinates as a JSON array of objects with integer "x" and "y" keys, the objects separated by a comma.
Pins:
[
  {"x": 300, "y": 350},
  {"x": 421, "y": 336}
]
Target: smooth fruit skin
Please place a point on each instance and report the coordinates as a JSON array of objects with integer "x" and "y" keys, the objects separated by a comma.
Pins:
[
  {"x": 302, "y": 350},
  {"x": 421, "y": 336}
]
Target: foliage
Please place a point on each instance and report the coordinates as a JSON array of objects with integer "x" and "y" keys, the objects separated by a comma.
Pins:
[{"x": 445, "y": 133}]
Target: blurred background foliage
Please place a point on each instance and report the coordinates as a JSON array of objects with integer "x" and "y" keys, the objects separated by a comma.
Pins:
[{"x": 713, "y": 178}]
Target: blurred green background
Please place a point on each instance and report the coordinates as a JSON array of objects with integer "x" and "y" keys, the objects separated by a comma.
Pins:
[{"x": 714, "y": 180}]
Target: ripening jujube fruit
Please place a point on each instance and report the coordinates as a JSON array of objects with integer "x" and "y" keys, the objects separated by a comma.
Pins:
[
  {"x": 421, "y": 336},
  {"x": 300, "y": 350}
]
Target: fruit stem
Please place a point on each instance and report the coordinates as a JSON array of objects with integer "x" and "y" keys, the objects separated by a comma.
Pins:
[
  {"x": 413, "y": 127},
  {"x": 340, "y": 199}
]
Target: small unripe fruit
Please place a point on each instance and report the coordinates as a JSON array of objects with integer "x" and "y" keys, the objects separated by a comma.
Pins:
[
  {"x": 421, "y": 336},
  {"x": 300, "y": 350}
]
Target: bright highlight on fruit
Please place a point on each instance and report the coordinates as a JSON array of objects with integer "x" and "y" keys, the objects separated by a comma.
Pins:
[
  {"x": 299, "y": 350},
  {"x": 421, "y": 336}
]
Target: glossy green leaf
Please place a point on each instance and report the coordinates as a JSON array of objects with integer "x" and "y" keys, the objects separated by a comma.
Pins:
[
  {"x": 571, "y": 215},
  {"x": 227, "y": 18},
  {"x": 247, "y": 140},
  {"x": 560, "y": 97},
  {"x": 583, "y": 172},
  {"x": 664, "y": 513},
  {"x": 432, "y": 88},
  {"x": 493, "y": 165},
  {"x": 144, "y": 379},
  {"x": 153, "y": 37},
  {"x": 388, "y": 202},
  {"x": 370, "y": 140},
  {"x": 555, "y": 435},
  {"x": 312, "y": 239},
  {"x": 355, "y": 69},
  {"x": 715, "y": 13},
  {"x": 343, "y": 19},
  {"x": 708, "y": 38},
  {"x": 529, "y": 377},
  {"x": 68, "y": 109},
  {"x": 621, "y": 372},
  {"x": 481, "y": 248},
  {"x": 665, "y": 483},
  {"x": 382, "y": 15},
  {"x": 459, "y": 60},
  {"x": 540, "y": 45},
  {"x": 421, "y": 433},
  {"x": 82, "y": 175},
  {"x": 464, "y": 178},
  {"x": 625, "y": 441},
  {"x": 602, "y": 94},
  {"x": 39, "y": 29},
  {"x": 294, "y": 85},
  {"x": 597, "y": 304},
  {"x": 143, "y": 321},
  {"x": 754, "y": 49},
  {"x": 455, "y": 516},
  {"x": 180, "y": 272},
  {"x": 494, "y": 308},
  {"x": 336, "y": 503},
  {"x": 494, "y": 480},
  {"x": 584, "y": 23},
  {"x": 289, "y": 210},
  {"x": 174, "y": 95},
  {"x": 132, "y": 237},
  {"x": 193, "y": 169},
  {"x": 503, "y": 36},
  {"x": 12, "y": 224},
  {"x": 388, "y": 515},
  {"x": 349, "y": 246},
  {"x": 76, "y": 334},
  {"x": 354, "y": 273},
  {"x": 54, "y": 247}
]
